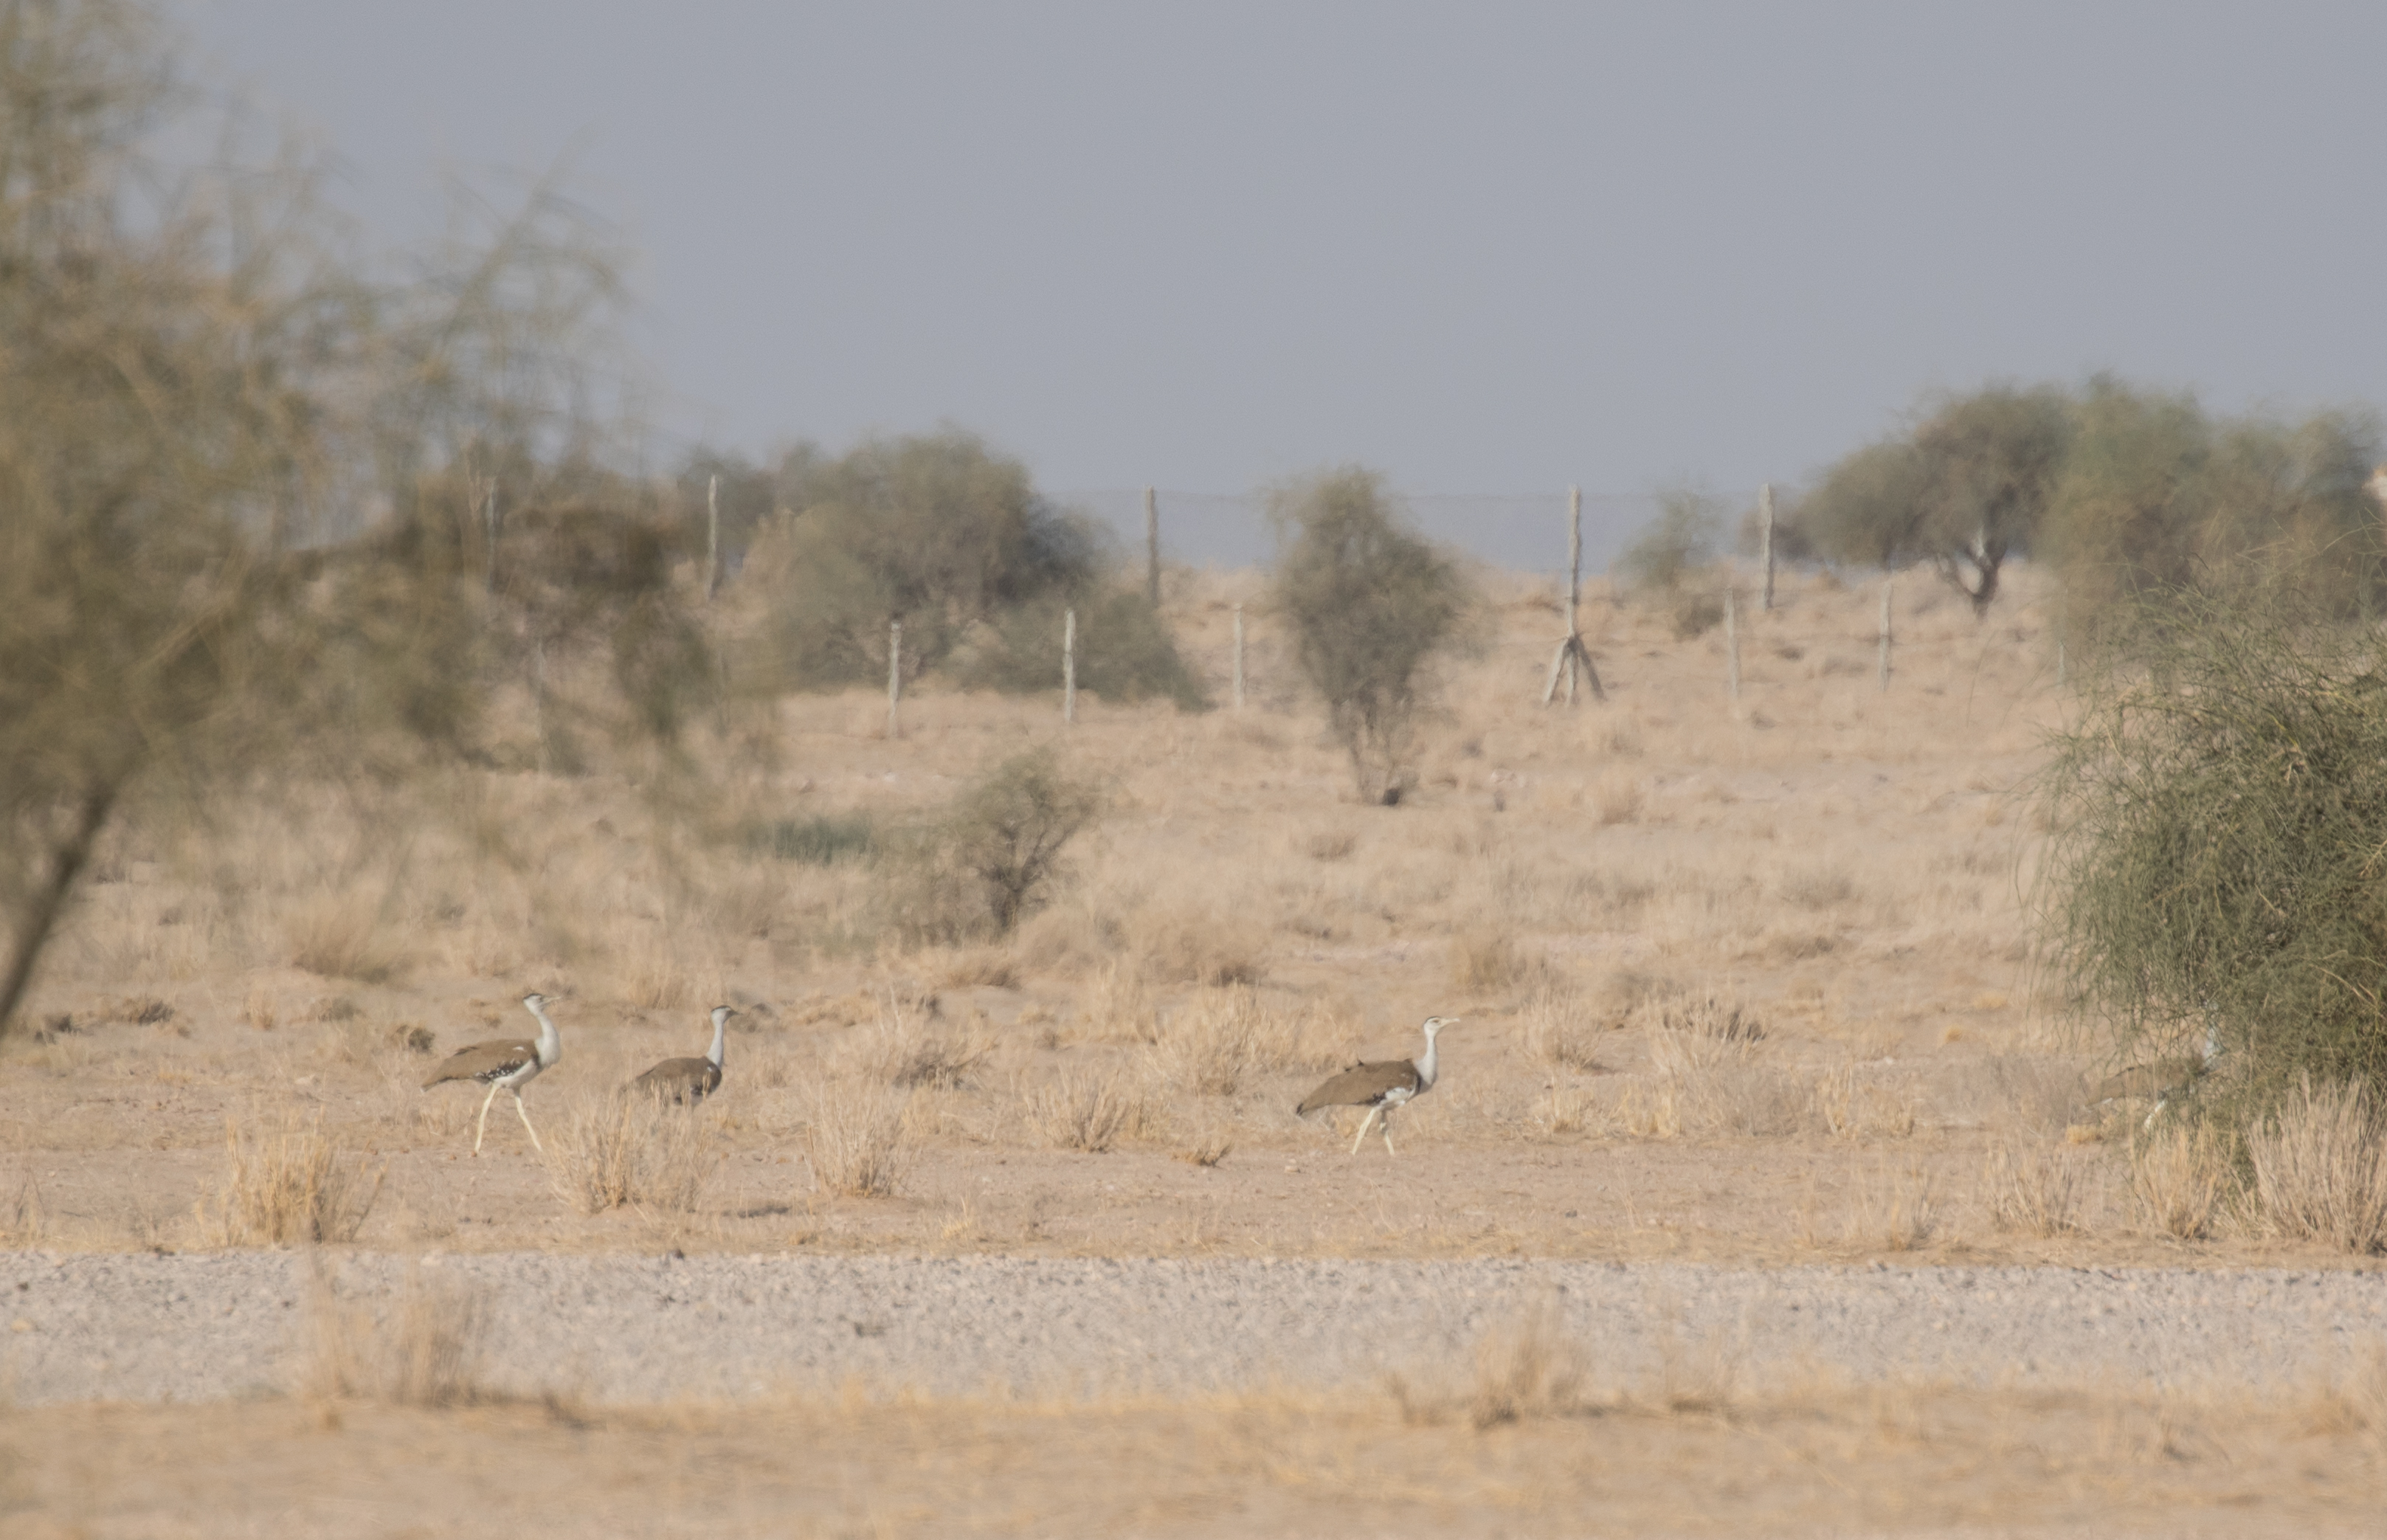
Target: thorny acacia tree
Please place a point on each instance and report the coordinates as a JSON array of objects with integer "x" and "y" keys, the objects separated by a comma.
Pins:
[
  {"x": 194, "y": 393},
  {"x": 1370, "y": 605},
  {"x": 1966, "y": 489}
]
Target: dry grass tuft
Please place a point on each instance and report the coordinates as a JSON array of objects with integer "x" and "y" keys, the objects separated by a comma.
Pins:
[
  {"x": 618, "y": 1150},
  {"x": 292, "y": 1185},
  {"x": 1118, "y": 1007},
  {"x": 1617, "y": 800},
  {"x": 2321, "y": 1170},
  {"x": 979, "y": 968},
  {"x": 1483, "y": 959},
  {"x": 1853, "y": 1108},
  {"x": 1200, "y": 946},
  {"x": 1331, "y": 845},
  {"x": 427, "y": 1352},
  {"x": 264, "y": 1010},
  {"x": 1208, "y": 1144},
  {"x": 2178, "y": 1177},
  {"x": 860, "y": 1139},
  {"x": 1897, "y": 1209},
  {"x": 1563, "y": 1109},
  {"x": 1529, "y": 1368},
  {"x": 343, "y": 938},
  {"x": 654, "y": 975},
  {"x": 1525, "y": 1367},
  {"x": 1221, "y": 1039},
  {"x": 23, "y": 1220},
  {"x": 1086, "y": 1111},
  {"x": 910, "y": 1048},
  {"x": 1701, "y": 1015},
  {"x": 2032, "y": 1191},
  {"x": 1561, "y": 1031}
]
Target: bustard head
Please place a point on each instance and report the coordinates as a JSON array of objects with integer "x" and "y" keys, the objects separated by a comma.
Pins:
[
  {"x": 1436, "y": 1023},
  {"x": 722, "y": 1014},
  {"x": 535, "y": 1000}
]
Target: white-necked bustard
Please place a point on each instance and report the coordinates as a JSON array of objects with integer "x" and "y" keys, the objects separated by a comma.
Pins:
[
  {"x": 689, "y": 1080},
  {"x": 1379, "y": 1087},
  {"x": 2162, "y": 1081},
  {"x": 505, "y": 1066}
]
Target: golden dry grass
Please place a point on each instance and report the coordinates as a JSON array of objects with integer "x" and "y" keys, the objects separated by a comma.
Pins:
[
  {"x": 618, "y": 1150},
  {"x": 1707, "y": 963},
  {"x": 2321, "y": 1170},
  {"x": 289, "y": 1183}
]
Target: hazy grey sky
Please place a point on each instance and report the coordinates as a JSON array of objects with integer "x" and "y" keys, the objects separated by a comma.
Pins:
[{"x": 1480, "y": 246}]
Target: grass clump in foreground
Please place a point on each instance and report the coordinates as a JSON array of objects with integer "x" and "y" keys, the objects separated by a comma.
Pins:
[{"x": 292, "y": 1185}]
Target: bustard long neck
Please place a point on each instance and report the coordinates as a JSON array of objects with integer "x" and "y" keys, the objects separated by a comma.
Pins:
[
  {"x": 720, "y": 1030},
  {"x": 550, "y": 1045},
  {"x": 1426, "y": 1067}
]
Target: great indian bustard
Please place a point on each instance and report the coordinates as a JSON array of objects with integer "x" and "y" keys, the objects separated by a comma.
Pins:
[
  {"x": 505, "y": 1066},
  {"x": 2162, "y": 1081},
  {"x": 1379, "y": 1087},
  {"x": 689, "y": 1080}
]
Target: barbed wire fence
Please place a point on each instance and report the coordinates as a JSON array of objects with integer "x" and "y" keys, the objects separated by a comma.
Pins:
[{"x": 1521, "y": 531}]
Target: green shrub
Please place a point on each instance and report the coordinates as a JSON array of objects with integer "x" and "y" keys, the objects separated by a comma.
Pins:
[
  {"x": 1681, "y": 541},
  {"x": 1125, "y": 651},
  {"x": 2220, "y": 844},
  {"x": 1370, "y": 605},
  {"x": 994, "y": 856}
]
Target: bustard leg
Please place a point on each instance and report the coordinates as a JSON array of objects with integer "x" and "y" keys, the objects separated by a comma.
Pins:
[
  {"x": 1386, "y": 1128},
  {"x": 1365, "y": 1124},
  {"x": 525, "y": 1117},
  {"x": 479, "y": 1133}
]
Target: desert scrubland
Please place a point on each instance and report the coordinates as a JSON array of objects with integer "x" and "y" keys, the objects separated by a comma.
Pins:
[{"x": 1751, "y": 985}]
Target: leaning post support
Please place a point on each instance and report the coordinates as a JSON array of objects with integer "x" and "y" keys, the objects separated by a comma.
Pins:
[{"x": 1571, "y": 654}]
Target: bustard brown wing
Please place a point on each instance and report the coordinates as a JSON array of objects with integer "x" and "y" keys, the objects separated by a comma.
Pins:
[
  {"x": 1362, "y": 1085},
  {"x": 679, "y": 1079},
  {"x": 484, "y": 1061}
]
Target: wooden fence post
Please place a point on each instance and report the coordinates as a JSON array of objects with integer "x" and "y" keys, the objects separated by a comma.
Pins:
[
  {"x": 1239, "y": 656},
  {"x": 1069, "y": 668},
  {"x": 1571, "y": 654},
  {"x": 1881, "y": 668},
  {"x": 1765, "y": 539},
  {"x": 1152, "y": 545},
  {"x": 894, "y": 678},
  {"x": 1732, "y": 646},
  {"x": 711, "y": 538}
]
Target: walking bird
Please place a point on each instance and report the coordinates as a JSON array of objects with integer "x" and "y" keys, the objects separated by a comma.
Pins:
[
  {"x": 506, "y": 1066},
  {"x": 1379, "y": 1087},
  {"x": 688, "y": 1079},
  {"x": 2162, "y": 1081}
]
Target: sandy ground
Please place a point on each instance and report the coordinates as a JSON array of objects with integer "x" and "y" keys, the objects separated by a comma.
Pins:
[
  {"x": 1848, "y": 870},
  {"x": 1979, "y": 1466}
]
